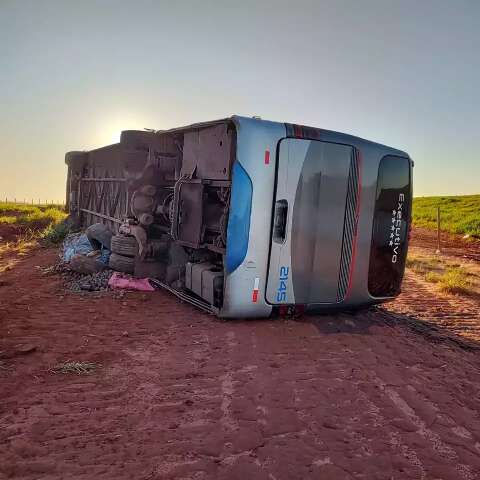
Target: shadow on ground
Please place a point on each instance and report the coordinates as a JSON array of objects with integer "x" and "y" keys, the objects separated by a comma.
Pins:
[{"x": 361, "y": 323}]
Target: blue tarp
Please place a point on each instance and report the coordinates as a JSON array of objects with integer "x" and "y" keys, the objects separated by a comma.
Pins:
[{"x": 79, "y": 243}]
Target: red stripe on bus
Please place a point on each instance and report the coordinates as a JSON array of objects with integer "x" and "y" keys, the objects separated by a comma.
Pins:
[{"x": 267, "y": 157}]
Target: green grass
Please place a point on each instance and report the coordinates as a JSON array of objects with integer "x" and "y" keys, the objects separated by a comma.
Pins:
[
  {"x": 26, "y": 215},
  {"x": 55, "y": 233},
  {"x": 37, "y": 222},
  {"x": 8, "y": 219},
  {"x": 459, "y": 215}
]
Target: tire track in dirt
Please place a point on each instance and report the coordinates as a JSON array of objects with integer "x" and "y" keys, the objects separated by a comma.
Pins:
[
  {"x": 415, "y": 425},
  {"x": 441, "y": 448},
  {"x": 370, "y": 428},
  {"x": 459, "y": 314},
  {"x": 227, "y": 389},
  {"x": 179, "y": 394}
]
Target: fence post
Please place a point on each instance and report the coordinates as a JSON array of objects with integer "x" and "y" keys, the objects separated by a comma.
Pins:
[{"x": 438, "y": 230}]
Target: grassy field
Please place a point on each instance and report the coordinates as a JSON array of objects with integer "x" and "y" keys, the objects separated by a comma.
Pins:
[
  {"x": 458, "y": 214},
  {"x": 36, "y": 216},
  {"x": 31, "y": 223}
]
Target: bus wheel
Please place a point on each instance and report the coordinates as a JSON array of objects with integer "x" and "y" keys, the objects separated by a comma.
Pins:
[
  {"x": 121, "y": 263},
  {"x": 124, "y": 245}
]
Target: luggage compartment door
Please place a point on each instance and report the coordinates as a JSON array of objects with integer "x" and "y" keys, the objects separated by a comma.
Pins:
[{"x": 308, "y": 221}]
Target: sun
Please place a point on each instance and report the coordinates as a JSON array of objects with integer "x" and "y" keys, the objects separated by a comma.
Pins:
[
  {"x": 115, "y": 136},
  {"x": 110, "y": 125}
]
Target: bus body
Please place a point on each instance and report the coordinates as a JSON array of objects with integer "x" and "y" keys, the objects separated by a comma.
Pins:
[{"x": 247, "y": 218}]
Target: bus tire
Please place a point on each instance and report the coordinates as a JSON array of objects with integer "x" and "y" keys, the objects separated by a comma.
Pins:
[
  {"x": 121, "y": 263},
  {"x": 99, "y": 234},
  {"x": 137, "y": 139},
  {"x": 124, "y": 245}
]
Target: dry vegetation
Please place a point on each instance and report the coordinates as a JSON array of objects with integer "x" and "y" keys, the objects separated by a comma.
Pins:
[
  {"x": 449, "y": 277},
  {"x": 78, "y": 368},
  {"x": 22, "y": 227},
  {"x": 18, "y": 248},
  {"x": 453, "y": 281}
]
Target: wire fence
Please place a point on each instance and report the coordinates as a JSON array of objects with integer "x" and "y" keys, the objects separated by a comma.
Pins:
[{"x": 37, "y": 202}]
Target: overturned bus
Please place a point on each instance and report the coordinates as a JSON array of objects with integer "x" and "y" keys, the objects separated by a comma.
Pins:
[{"x": 248, "y": 218}]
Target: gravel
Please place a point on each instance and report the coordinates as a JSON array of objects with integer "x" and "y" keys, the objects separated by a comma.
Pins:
[
  {"x": 94, "y": 282},
  {"x": 77, "y": 282}
]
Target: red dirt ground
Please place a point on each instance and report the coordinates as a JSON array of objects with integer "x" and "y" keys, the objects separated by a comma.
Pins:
[
  {"x": 12, "y": 232},
  {"x": 179, "y": 394},
  {"x": 459, "y": 314},
  {"x": 9, "y": 233},
  {"x": 450, "y": 244}
]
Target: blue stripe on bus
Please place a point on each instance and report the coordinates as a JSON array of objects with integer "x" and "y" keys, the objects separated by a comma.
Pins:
[{"x": 238, "y": 229}]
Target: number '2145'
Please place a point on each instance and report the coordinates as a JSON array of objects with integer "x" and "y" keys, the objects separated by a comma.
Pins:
[{"x": 282, "y": 285}]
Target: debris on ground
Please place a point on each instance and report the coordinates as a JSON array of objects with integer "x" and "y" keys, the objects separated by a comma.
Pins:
[
  {"x": 127, "y": 282},
  {"x": 99, "y": 236},
  {"x": 82, "y": 268},
  {"x": 77, "y": 282},
  {"x": 75, "y": 243},
  {"x": 93, "y": 282},
  {"x": 79, "y": 368},
  {"x": 79, "y": 244},
  {"x": 55, "y": 269},
  {"x": 86, "y": 264}
]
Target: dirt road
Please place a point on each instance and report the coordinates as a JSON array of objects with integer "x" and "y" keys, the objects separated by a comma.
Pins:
[
  {"x": 178, "y": 394},
  {"x": 421, "y": 300}
]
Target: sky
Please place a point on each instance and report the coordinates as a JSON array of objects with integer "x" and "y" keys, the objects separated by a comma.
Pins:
[{"x": 73, "y": 74}]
